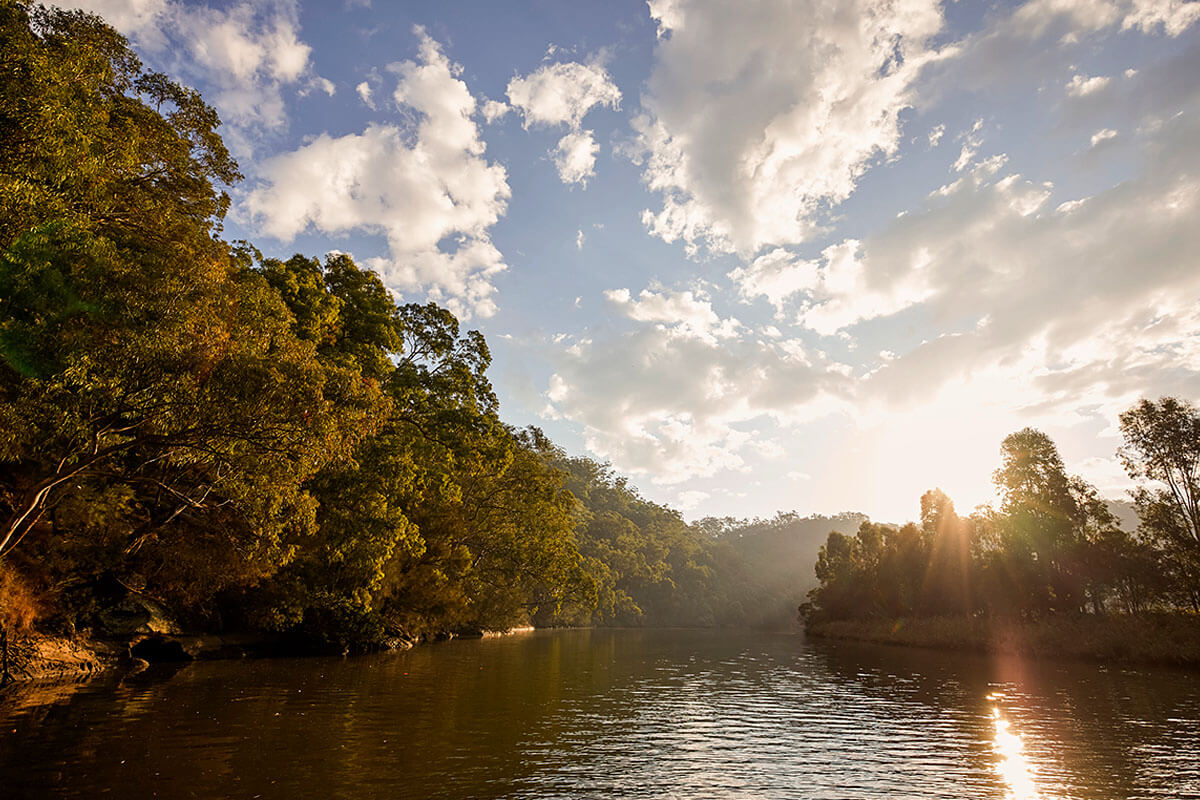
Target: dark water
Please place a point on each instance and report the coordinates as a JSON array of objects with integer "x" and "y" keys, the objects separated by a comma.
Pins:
[{"x": 693, "y": 714}]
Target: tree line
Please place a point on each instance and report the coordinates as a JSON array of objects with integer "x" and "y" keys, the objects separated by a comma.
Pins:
[{"x": 1052, "y": 546}]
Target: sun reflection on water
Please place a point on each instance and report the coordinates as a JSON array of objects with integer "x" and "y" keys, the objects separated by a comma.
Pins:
[{"x": 1012, "y": 766}]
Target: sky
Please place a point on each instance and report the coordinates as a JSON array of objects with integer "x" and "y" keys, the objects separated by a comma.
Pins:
[{"x": 767, "y": 255}]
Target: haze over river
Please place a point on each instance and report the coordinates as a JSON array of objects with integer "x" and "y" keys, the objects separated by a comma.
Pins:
[{"x": 618, "y": 713}]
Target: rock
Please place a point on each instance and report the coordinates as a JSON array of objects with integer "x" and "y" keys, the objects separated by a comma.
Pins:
[
  {"x": 396, "y": 643},
  {"x": 135, "y": 614},
  {"x": 36, "y": 656}
]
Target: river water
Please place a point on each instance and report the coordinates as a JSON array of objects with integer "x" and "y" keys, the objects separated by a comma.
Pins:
[{"x": 616, "y": 714}]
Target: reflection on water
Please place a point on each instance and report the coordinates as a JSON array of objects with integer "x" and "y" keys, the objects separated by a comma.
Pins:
[
  {"x": 1013, "y": 766},
  {"x": 619, "y": 714}
]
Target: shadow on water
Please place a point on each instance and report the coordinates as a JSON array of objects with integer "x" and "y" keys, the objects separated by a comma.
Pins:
[{"x": 605, "y": 713}]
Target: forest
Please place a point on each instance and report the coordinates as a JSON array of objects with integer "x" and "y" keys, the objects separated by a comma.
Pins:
[{"x": 282, "y": 446}]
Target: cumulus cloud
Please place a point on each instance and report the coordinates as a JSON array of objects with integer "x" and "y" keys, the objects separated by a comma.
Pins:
[
  {"x": 679, "y": 313},
  {"x": 575, "y": 157},
  {"x": 493, "y": 110},
  {"x": 562, "y": 94},
  {"x": 249, "y": 53},
  {"x": 776, "y": 275},
  {"x": 1038, "y": 17},
  {"x": 428, "y": 188},
  {"x": 1081, "y": 85},
  {"x": 760, "y": 118},
  {"x": 365, "y": 94},
  {"x": 675, "y": 406}
]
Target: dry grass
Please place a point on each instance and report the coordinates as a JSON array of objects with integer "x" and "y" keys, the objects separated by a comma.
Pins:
[
  {"x": 1151, "y": 639},
  {"x": 18, "y": 604}
]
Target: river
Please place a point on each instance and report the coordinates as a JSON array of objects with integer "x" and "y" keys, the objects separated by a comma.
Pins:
[{"x": 616, "y": 714}]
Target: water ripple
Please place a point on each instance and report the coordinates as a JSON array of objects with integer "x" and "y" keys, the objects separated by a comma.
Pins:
[{"x": 620, "y": 714}]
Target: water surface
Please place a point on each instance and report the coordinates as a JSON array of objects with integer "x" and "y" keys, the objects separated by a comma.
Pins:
[{"x": 628, "y": 713}]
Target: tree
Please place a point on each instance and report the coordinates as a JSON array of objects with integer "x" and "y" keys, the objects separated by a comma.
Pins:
[
  {"x": 89, "y": 138},
  {"x": 1162, "y": 445},
  {"x": 947, "y": 537},
  {"x": 1041, "y": 523},
  {"x": 158, "y": 416}
]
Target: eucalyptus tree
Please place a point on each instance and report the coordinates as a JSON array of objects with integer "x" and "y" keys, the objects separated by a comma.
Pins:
[
  {"x": 1162, "y": 446},
  {"x": 158, "y": 416}
]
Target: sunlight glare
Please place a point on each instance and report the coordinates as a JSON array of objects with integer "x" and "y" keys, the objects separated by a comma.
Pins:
[{"x": 1012, "y": 766}]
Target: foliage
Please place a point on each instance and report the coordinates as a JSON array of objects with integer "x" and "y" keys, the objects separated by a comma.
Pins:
[
  {"x": 1162, "y": 445},
  {"x": 1052, "y": 547},
  {"x": 159, "y": 417}
]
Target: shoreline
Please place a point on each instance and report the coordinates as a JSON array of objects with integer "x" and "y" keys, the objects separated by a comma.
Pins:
[
  {"x": 1171, "y": 640},
  {"x": 42, "y": 658}
]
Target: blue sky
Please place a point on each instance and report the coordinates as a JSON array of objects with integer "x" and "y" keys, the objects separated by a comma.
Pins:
[{"x": 761, "y": 256}]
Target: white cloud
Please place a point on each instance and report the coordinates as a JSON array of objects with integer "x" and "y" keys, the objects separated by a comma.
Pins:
[
  {"x": 317, "y": 83},
  {"x": 579, "y": 239},
  {"x": 365, "y": 94},
  {"x": 680, "y": 313},
  {"x": 1104, "y": 135},
  {"x": 847, "y": 294},
  {"x": 494, "y": 110},
  {"x": 248, "y": 53},
  {"x": 837, "y": 290},
  {"x": 1091, "y": 303},
  {"x": 761, "y": 117},
  {"x": 561, "y": 94},
  {"x": 1040, "y": 38},
  {"x": 1172, "y": 17},
  {"x": 776, "y": 275},
  {"x": 688, "y": 500},
  {"x": 419, "y": 186},
  {"x": 972, "y": 140},
  {"x": 674, "y": 406},
  {"x": 575, "y": 157},
  {"x": 1080, "y": 85},
  {"x": 935, "y": 135}
]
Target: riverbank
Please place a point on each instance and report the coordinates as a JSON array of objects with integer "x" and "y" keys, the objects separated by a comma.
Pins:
[
  {"x": 43, "y": 658},
  {"x": 39, "y": 657},
  {"x": 1162, "y": 639}
]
